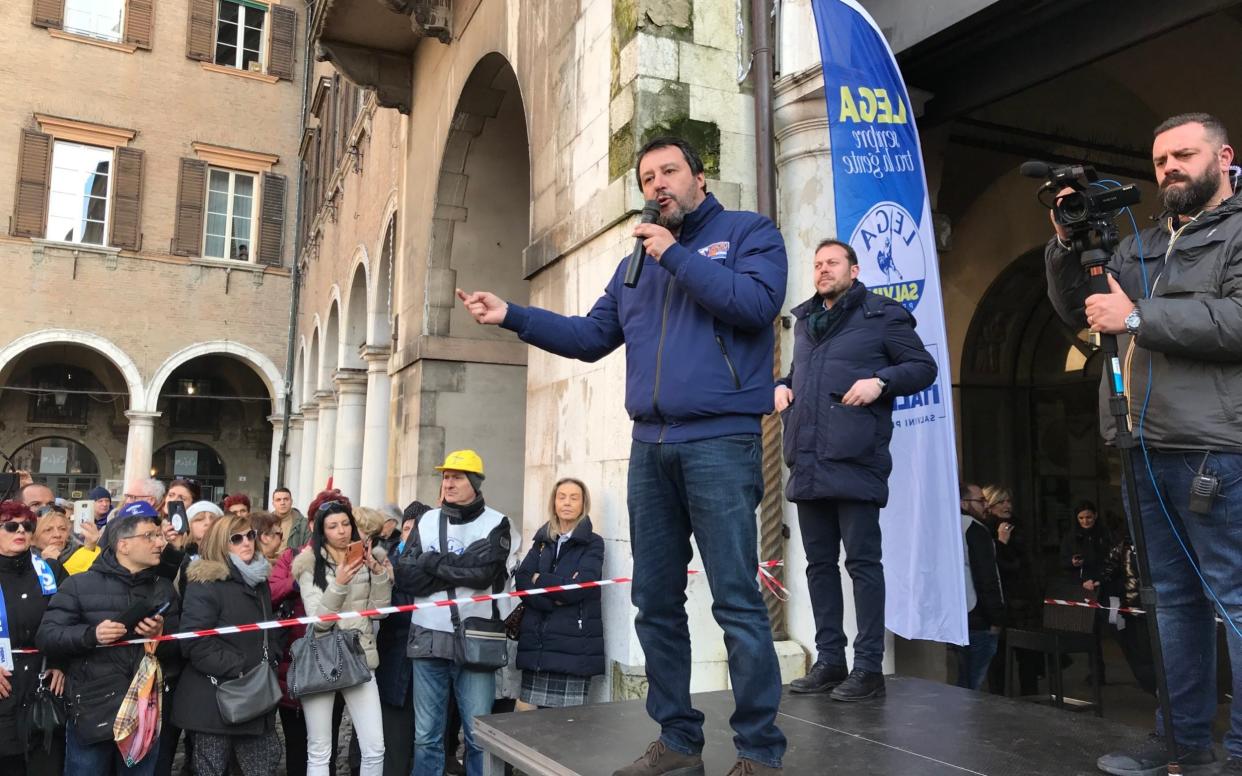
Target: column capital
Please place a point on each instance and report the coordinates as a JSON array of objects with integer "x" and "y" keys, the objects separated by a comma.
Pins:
[
  {"x": 139, "y": 418},
  {"x": 277, "y": 421},
  {"x": 373, "y": 354},
  {"x": 310, "y": 411},
  {"x": 296, "y": 421},
  {"x": 350, "y": 381},
  {"x": 325, "y": 399}
]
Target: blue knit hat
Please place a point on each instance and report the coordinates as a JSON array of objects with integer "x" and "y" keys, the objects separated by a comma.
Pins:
[{"x": 98, "y": 492}]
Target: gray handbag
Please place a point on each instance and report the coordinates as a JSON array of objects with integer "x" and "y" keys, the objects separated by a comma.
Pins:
[
  {"x": 251, "y": 695},
  {"x": 326, "y": 662}
]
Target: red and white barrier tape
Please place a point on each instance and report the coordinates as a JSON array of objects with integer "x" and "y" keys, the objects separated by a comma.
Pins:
[
  {"x": 1093, "y": 605},
  {"x": 766, "y": 576}
]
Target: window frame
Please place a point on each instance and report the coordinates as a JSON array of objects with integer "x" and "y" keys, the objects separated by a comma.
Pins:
[
  {"x": 108, "y": 196},
  {"x": 119, "y": 40},
  {"x": 264, "y": 35},
  {"x": 255, "y": 203}
]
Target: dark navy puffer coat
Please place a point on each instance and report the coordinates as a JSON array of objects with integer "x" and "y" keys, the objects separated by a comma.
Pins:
[
  {"x": 563, "y": 633},
  {"x": 835, "y": 451}
]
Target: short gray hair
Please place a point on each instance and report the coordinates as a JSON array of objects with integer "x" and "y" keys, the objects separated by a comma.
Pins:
[
  {"x": 1214, "y": 127},
  {"x": 154, "y": 488}
]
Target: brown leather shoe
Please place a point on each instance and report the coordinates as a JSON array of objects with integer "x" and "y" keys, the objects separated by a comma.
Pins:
[
  {"x": 745, "y": 767},
  {"x": 659, "y": 760}
]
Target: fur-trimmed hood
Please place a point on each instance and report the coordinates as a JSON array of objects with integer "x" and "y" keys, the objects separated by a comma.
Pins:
[
  {"x": 203, "y": 570},
  {"x": 304, "y": 561}
]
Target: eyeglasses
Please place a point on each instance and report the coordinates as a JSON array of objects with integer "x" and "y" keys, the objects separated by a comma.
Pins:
[
  {"x": 149, "y": 537},
  {"x": 13, "y": 526},
  {"x": 138, "y": 497},
  {"x": 326, "y": 506},
  {"x": 275, "y": 534},
  {"x": 238, "y": 538}
]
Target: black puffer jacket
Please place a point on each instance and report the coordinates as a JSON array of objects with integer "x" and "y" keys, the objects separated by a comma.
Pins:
[
  {"x": 101, "y": 676},
  {"x": 25, "y": 603},
  {"x": 215, "y": 595},
  {"x": 563, "y": 632}
]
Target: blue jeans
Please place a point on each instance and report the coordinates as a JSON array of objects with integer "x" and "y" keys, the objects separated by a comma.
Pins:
[
  {"x": 1185, "y": 612},
  {"x": 104, "y": 759},
  {"x": 974, "y": 658},
  {"x": 709, "y": 488},
  {"x": 475, "y": 692}
]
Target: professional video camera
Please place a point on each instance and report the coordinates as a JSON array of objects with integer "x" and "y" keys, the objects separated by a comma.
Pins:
[{"x": 1088, "y": 211}]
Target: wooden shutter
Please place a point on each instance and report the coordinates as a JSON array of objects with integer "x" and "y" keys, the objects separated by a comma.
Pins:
[
  {"x": 283, "y": 40},
  {"x": 191, "y": 201},
  {"x": 34, "y": 164},
  {"x": 126, "y": 228},
  {"x": 139, "y": 21},
  {"x": 272, "y": 220},
  {"x": 48, "y": 13},
  {"x": 200, "y": 34}
]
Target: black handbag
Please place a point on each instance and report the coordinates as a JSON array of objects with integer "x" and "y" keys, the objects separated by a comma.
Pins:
[
  {"x": 326, "y": 662},
  {"x": 251, "y": 695},
  {"x": 513, "y": 623},
  {"x": 479, "y": 643},
  {"x": 43, "y": 715}
]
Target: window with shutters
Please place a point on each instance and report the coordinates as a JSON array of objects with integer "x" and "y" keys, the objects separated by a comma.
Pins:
[
  {"x": 230, "y": 223},
  {"x": 79, "y": 193},
  {"x": 239, "y": 34},
  {"x": 102, "y": 19}
]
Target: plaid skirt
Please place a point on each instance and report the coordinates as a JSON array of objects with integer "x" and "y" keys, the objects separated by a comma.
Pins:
[{"x": 542, "y": 688}]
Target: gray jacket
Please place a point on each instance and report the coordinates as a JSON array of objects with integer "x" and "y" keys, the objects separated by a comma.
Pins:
[{"x": 1191, "y": 331}]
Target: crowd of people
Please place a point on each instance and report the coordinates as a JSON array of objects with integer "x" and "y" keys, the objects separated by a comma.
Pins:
[
  {"x": 133, "y": 571},
  {"x": 1006, "y": 586}
]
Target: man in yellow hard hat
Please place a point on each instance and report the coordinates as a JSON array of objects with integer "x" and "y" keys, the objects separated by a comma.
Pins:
[{"x": 464, "y": 548}]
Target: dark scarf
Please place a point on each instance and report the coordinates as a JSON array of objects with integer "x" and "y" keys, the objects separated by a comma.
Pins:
[
  {"x": 463, "y": 513},
  {"x": 825, "y": 321}
]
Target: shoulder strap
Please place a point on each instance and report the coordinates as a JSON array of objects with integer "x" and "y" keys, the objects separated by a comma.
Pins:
[{"x": 452, "y": 591}]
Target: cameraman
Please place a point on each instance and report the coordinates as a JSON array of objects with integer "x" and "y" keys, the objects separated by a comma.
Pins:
[{"x": 1181, "y": 350}]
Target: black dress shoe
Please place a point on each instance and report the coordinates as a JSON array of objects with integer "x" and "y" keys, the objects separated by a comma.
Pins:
[
  {"x": 860, "y": 685},
  {"x": 821, "y": 678}
]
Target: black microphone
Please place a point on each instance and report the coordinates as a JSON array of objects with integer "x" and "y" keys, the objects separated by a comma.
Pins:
[
  {"x": 1035, "y": 169},
  {"x": 651, "y": 211}
]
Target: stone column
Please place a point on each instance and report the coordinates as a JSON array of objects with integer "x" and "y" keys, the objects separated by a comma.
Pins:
[
  {"x": 306, "y": 460},
  {"x": 375, "y": 441},
  {"x": 293, "y": 463},
  {"x": 139, "y": 444},
  {"x": 273, "y": 473},
  {"x": 325, "y": 444},
  {"x": 351, "y": 393}
]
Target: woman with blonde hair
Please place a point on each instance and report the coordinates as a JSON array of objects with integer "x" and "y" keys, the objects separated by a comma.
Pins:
[
  {"x": 561, "y": 645},
  {"x": 1023, "y": 604},
  {"x": 226, "y": 585}
]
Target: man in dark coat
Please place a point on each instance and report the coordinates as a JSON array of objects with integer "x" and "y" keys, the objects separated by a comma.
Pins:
[
  {"x": 854, "y": 351},
  {"x": 82, "y": 616}
]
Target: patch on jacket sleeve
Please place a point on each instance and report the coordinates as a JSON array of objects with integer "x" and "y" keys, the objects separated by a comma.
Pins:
[{"x": 717, "y": 251}]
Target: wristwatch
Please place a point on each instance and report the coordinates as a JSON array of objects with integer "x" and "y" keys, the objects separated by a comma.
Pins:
[
  {"x": 883, "y": 384},
  {"x": 1133, "y": 321}
]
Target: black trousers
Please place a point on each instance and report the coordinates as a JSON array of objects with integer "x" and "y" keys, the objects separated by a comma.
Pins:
[{"x": 826, "y": 526}]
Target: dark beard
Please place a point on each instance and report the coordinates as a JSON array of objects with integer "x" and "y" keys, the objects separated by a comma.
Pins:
[
  {"x": 1193, "y": 197},
  {"x": 674, "y": 220}
]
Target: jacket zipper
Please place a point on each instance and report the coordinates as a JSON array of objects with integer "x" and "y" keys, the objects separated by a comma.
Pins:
[
  {"x": 655, "y": 390},
  {"x": 737, "y": 384}
]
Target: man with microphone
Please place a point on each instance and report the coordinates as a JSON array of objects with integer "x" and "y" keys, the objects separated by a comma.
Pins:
[{"x": 697, "y": 330}]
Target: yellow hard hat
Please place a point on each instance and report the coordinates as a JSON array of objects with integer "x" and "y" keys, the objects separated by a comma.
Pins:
[{"x": 463, "y": 461}]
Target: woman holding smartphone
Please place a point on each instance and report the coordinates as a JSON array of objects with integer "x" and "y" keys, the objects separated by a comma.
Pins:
[{"x": 333, "y": 579}]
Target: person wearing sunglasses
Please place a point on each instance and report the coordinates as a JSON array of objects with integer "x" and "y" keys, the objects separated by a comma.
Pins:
[
  {"x": 329, "y": 583},
  {"x": 83, "y": 615},
  {"x": 27, "y": 582},
  {"x": 227, "y": 585}
]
